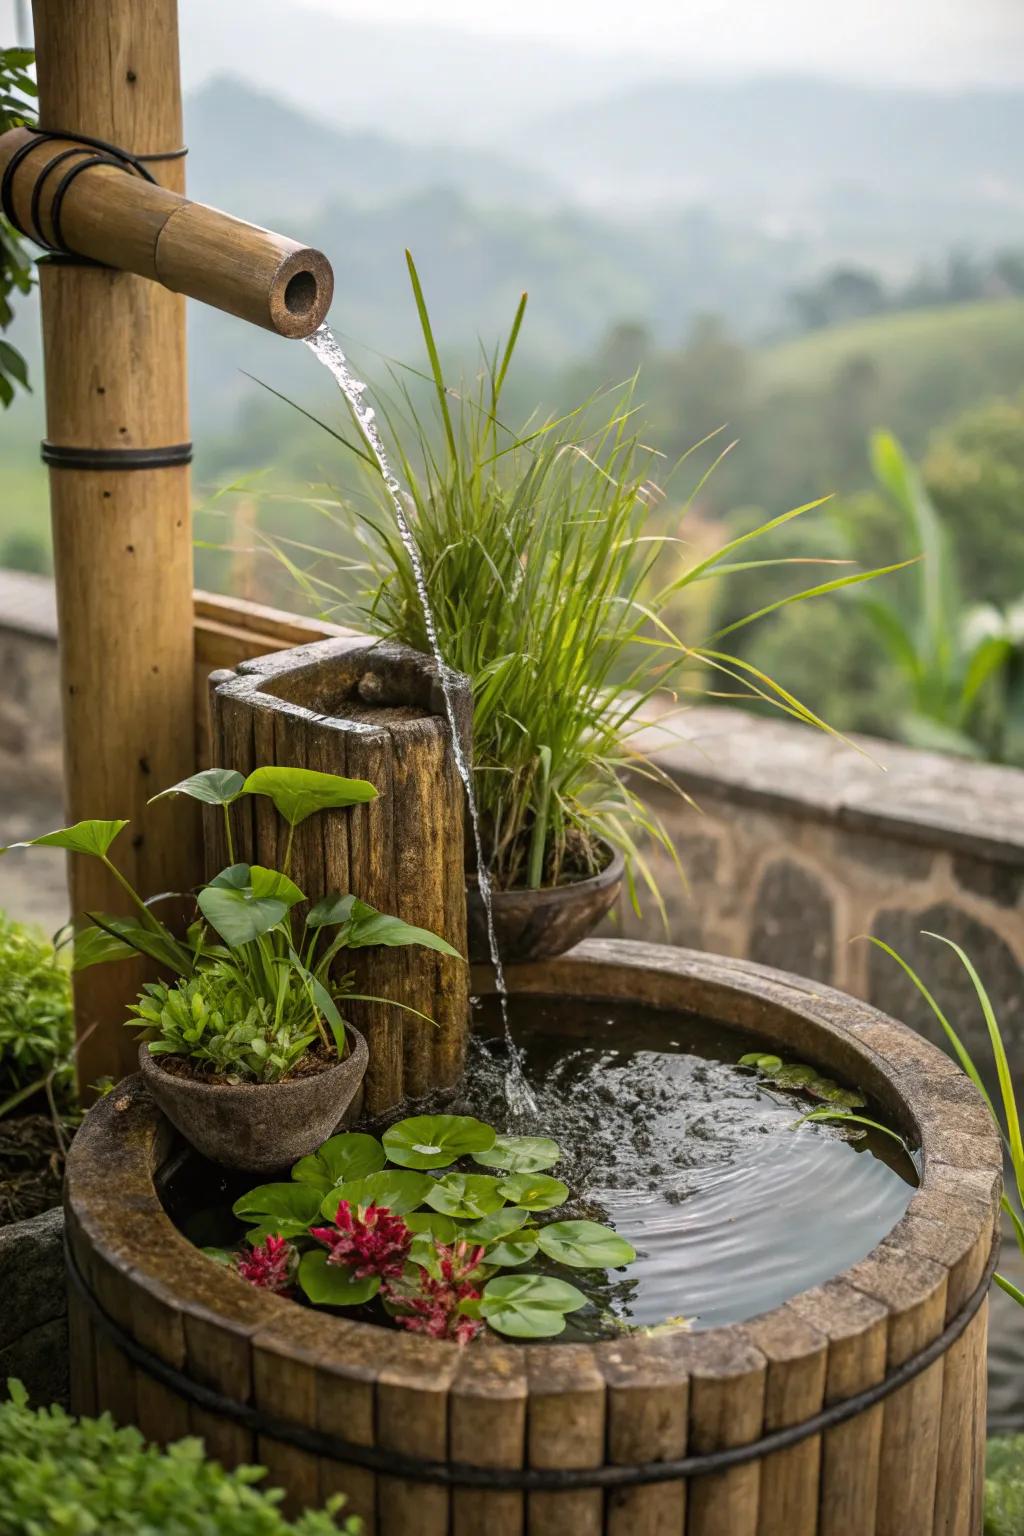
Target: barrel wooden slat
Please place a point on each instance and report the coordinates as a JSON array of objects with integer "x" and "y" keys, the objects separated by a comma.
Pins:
[
  {"x": 284, "y": 1366},
  {"x": 797, "y": 1357},
  {"x": 350, "y": 1359},
  {"x": 412, "y": 1417},
  {"x": 565, "y": 1428},
  {"x": 962, "y": 1430},
  {"x": 648, "y": 1407},
  {"x": 727, "y": 1399},
  {"x": 914, "y": 1291},
  {"x": 856, "y": 1328},
  {"x": 81, "y": 1359},
  {"x": 487, "y": 1421}
]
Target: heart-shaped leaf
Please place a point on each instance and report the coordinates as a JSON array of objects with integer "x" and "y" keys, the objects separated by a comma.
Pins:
[
  {"x": 393, "y": 1189},
  {"x": 585, "y": 1245},
  {"x": 284, "y": 1210},
  {"x": 368, "y": 927},
  {"x": 214, "y": 786},
  {"x": 509, "y": 1252},
  {"x": 300, "y": 792},
  {"x": 330, "y": 910},
  {"x": 334, "y": 1285},
  {"x": 537, "y": 1191},
  {"x": 498, "y": 1224},
  {"x": 465, "y": 1195},
  {"x": 238, "y": 915},
  {"x": 520, "y": 1154},
  {"x": 271, "y": 882},
  {"x": 432, "y": 1224},
  {"x": 92, "y": 837},
  {"x": 529, "y": 1306},
  {"x": 435, "y": 1141},
  {"x": 343, "y": 1158}
]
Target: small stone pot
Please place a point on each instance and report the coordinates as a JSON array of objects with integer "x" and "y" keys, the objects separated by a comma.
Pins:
[
  {"x": 537, "y": 925},
  {"x": 258, "y": 1126}
]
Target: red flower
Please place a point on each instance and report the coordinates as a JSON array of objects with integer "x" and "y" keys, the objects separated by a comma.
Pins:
[
  {"x": 270, "y": 1265},
  {"x": 370, "y": 1240},
  {"x": 433, "y": 1308}
]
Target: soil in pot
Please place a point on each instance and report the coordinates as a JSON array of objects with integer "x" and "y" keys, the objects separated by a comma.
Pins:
[
  {"x": 666, "y": 1138},
  {"x": 31, "y": 1165}
]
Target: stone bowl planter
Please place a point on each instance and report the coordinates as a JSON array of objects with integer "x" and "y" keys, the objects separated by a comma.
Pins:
[
  {"x": 537, "y": 925},
  {"x": 258, "y": 1126},
  {"x": 857, "y": 1406}
]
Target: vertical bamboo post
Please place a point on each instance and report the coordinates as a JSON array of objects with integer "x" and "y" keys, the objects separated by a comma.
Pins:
[{"x": 118, "y": 451}]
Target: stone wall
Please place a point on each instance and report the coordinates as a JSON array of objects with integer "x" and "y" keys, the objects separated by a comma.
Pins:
[{"x": 796, "y": 844}]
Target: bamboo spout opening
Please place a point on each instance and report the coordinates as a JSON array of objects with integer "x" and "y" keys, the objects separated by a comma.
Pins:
[{"x": 91, "y": 206}]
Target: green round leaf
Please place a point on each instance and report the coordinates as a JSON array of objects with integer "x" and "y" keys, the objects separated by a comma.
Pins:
[
  {"x": 508, "y": 1252},
  {"x": 499, "y": 1224},
  {"x": 520, "y": 1154},
  {"x": 432, "y": 1224},
  {"x": 760, "y": 1059},
  {"x": 343, "y": 1158},
  {"x": 585, "y": 1245},
  {"x": 537, "y": 1191},
  {"x": 296, "y": 1204},
  {"x": 435, "y": 1141},
  {"x": 465, "y": 1195},
  {"x": 529, "y": 1306},
  {"x": 334, "y": 1285},
  {"x": 398, "y": 1192},
  {"x": 239, "y": 916}
]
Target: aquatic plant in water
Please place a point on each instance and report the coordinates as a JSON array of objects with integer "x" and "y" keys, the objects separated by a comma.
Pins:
[{"x": 426, "y": 1238}]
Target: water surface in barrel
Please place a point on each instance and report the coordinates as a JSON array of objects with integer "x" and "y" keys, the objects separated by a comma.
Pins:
[{"x": 690, "y": 1156}]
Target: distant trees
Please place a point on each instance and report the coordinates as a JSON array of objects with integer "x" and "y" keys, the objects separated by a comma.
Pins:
[{"x": 845, "y": 293}]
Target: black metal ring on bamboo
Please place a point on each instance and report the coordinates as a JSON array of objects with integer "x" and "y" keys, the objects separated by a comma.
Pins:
[
  {"x": 109, "y": 154},
  {"x": 528, "y": 1480},
  {"x": 62, "y": 457}
]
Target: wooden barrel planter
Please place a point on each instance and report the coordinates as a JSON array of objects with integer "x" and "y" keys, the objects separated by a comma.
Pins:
[{"x": 854, "y": 1409}]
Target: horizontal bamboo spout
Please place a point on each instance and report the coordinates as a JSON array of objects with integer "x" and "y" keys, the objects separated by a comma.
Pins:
[{"x": 122, "y": 220}]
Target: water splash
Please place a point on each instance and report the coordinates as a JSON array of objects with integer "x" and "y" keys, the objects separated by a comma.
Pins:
[{"x": 325, "y": 348}]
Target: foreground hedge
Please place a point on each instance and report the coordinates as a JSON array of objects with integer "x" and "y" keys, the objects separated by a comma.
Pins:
[{"x": 61, "y": 1476}]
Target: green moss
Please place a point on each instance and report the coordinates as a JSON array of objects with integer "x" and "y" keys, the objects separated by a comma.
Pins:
[{"x": 1004, "y": 1486}]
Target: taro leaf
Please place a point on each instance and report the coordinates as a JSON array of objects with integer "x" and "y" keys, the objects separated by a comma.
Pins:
[
  {"x": 330, "y": 910},
  {"x": 285, "y": 1210},
  {"x": 347, "y": 1157},
  {"x": 397, "y": 1191},
  {"x": 369, "y": 927},
  {"x": 529, "y": 1306},
  {"x": 537, "y": 1191},
  {"x": 498, "y": 1224},
  {"x": 520, "y": 1154},
  {"x": 465, "y": 1195},
  {"x": 237, "y": 915},
  {"x": 214, "y": 786},
  {"x": 93, "y": 837},
  {"x": 300, "y": 792},
  {"x": 520, "y": 1248},
  {"x": 271, "y": 882},
  {"x": 435, "y": 1141},
  {"x": 93, "y": 946},
  {"x": 334, "y": 1285},
  {"x": 585, "y": 1245}
]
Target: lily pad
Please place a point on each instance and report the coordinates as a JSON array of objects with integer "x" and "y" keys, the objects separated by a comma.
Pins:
[
  {"x": 340, "y": 1160},
  {"x": 585, "y": 1245},
  {"x": 334, "y": 1285},
  {"x": 536, "y": 1191},
  {"x": 498, "y": 1224},
  {"x": 529, "y": 1306},
  {"x": 397, "y": 1191},
  {"x": 509, "y": 1252},
  {"x": 278, "y": 1210},
  {"x": 467, "y": 1196},
  {"x": 436, "y": 1141},
  {"x": 520, "y": 1154}
]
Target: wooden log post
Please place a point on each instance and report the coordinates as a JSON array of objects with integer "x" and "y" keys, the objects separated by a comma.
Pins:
[
  {"x": 117, "y": 440},
  {"x": 371, "y": 712}
]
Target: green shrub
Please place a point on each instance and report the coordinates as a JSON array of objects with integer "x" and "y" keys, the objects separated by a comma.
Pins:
[
  {"x": 36, "y": 1028},
  {"x": 77, "y": 1477},
  {"x": 1004, "y": 1486}
]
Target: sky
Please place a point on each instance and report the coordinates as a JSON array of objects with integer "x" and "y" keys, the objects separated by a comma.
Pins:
[{"x": 935, "y": 42}]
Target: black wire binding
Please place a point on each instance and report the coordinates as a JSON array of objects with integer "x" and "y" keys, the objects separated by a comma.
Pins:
[
  {"x": 115, "y": 458},
  {"x": 108, "y": 154},
  {"x": 529, "y": 1479}
]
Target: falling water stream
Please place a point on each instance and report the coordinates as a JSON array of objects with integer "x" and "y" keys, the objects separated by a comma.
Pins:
[{"x": 324, "y": 346}]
